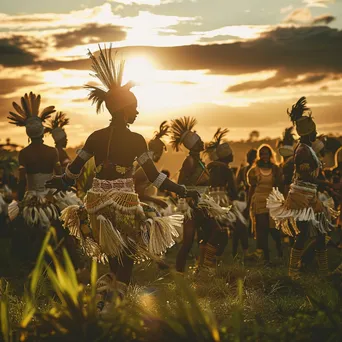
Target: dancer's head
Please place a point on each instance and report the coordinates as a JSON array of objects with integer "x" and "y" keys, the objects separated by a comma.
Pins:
[
  {"x": 119, "y": 100},
  {"x": 218, "y": 149},
  {"x": 305, "y": 126},
  {"x": 266, "y": 154},
  {"x": 251, "y": 156},
  {"x": 285, "y": 146},
  {"x": 182, "y": 133},
  {"x": 156, "y": 145},
  {"x": 28, "y": 116},
  {"x": 55, "y": 127}
]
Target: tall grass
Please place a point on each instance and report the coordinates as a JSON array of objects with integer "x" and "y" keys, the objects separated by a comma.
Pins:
[{"x": 227, "y": 307}]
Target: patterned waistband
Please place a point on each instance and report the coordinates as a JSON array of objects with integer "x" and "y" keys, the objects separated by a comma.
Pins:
[
  {"x": 121, "y": 184},
  {"x": 217, "y": 189}
]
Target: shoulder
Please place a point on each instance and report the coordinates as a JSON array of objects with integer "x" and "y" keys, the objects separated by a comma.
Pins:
[
  {"x": 188, "y": 162},
  {"x": 136, "y": 137}
]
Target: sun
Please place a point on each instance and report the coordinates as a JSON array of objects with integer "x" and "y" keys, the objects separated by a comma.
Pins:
[{"x": 140, "y": 70}]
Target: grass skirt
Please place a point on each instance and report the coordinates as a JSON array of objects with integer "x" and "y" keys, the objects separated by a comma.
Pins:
[
  {"x": 301, "y": 204},
  {"x": 113, "y": 222}
]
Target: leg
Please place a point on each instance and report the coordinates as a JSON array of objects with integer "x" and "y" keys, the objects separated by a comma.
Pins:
[
  {"x": 262, "y": 227},
  {"x": 243, "y": 237},
  {"x": 297, "y": 249},
  {"x": 322, "y": 255},
  {"x": 188, "y": 238},
  {"x": 236, "y": 238},
  {"x": 276, "y": 236}
]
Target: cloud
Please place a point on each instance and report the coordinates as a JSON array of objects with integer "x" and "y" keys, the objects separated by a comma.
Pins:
[
  {"x": 10, "y": 85},
  {"x": 89, "y": 34},
  {"x": 286, "y": 9},
  {"x": 323, "y": 19},
  {"x": 318, "y": 3},
  {"x": 280, "y": 80},
  {"x": 13, "y": 53},
  {"x": 303, "y": 16}
]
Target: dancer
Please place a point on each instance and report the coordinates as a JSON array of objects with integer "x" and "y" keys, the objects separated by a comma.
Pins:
[
  {"x": 286, "y": 150},
  {"x": 223, "y": 189},
  {"x": 302, "y": 214},
  {"x": 264, "y": 175},
  {"x": 121, "y": 231},
  {"x": 143, "y": 186},
  {"x": 195, "y": 175},
  {"x": 242, "y": 173},
  {"x": 37, "y": 163},
  {"x": 55, "y": 127}
]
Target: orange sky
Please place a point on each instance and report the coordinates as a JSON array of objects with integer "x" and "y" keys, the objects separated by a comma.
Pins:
[{"x": 236, "y": 66}]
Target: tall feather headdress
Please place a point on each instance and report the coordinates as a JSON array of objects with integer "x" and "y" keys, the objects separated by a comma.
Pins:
[
  {"x": 28, "y": 115},
  {"x": 218, "y": 148},
  {"x": 181, "y": 132},
  {"x": 110, "y": 73},
  {"x": 163, "y": 131},
  {"x": 215, "y": 142},
  {"x": 55, "y": 126},
  {"x": 304, "y": 123},
  {"x": 298, "y": 109},
  {"x": 285, "y": 146}
]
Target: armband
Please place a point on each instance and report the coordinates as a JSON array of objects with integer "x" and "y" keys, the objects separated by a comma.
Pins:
[
  {"x": 159, "y": 180},
  {"x": 84, "y": 155},
  {"x": 144, "y": 157},
  {"x": 71, "y": 175}
]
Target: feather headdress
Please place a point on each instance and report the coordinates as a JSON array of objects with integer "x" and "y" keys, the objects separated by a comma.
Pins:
[
  {"x": 181, "y": 132},
  {"x": 110, "y": 73},
  {"x": 285, "y": 146},
  {"x": 298, "y": 109},
  {"x": 55, "y": 126},
  {"x": 288, "y": 138},
  {"x": 163, "y": 131},
  {"x": 217, "y": 148},
  {"x": 218, "y": 136},
  {"x": 304, "y": 123},
  {"x": 28, "y": 115}
]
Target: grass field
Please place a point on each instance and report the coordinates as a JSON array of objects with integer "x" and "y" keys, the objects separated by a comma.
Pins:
[{"x": 243, "y": 298}]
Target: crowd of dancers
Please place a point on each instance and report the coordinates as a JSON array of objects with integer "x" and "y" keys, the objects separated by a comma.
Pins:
[{"x": 133, "y": 212}]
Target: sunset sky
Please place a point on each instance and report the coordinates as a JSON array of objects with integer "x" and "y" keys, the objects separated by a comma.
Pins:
[{"x": 235, "y": 64}]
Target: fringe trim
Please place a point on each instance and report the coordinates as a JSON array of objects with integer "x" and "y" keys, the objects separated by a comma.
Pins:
[
  {"x": 285, "y": 219},
  {"x": 66, "y": 199},
  {"x": 110, "y": 239},
  {"x": 3, "y": 205},
  {"x": 162, "y": 231},
  {"x": 13, "y": 210}
]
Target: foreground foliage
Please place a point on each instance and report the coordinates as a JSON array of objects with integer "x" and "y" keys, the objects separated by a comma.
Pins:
[{"x": 231, "y": 306}]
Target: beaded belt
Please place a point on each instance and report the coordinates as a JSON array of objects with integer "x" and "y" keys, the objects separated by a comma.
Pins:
[{"x": 121, "y": 184}]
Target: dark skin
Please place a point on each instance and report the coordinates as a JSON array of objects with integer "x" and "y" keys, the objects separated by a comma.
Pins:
[
  {"x": 122, "y": 147},
  {"x": 190, "y": 164},
  {"x": 305, "y": 164},
  {"x": 63, "y": 156},
  {"x": 141, "y": 181},
  {"x": 37, "y": 158},
  {"x": 221, "y": 175}
]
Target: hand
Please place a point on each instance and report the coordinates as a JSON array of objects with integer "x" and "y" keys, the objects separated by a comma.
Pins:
[
  {"x": 194, "y": 194},
  {"x": 57, "y": 182}
]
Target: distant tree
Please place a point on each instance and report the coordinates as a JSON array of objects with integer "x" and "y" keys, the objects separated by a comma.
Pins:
[{"x": 254, "y": 136}]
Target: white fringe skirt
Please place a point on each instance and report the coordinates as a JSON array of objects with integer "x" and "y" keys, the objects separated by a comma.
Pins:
[
  {"x": 113, "y": 222},
  {"x": 302, "y": 204}
]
